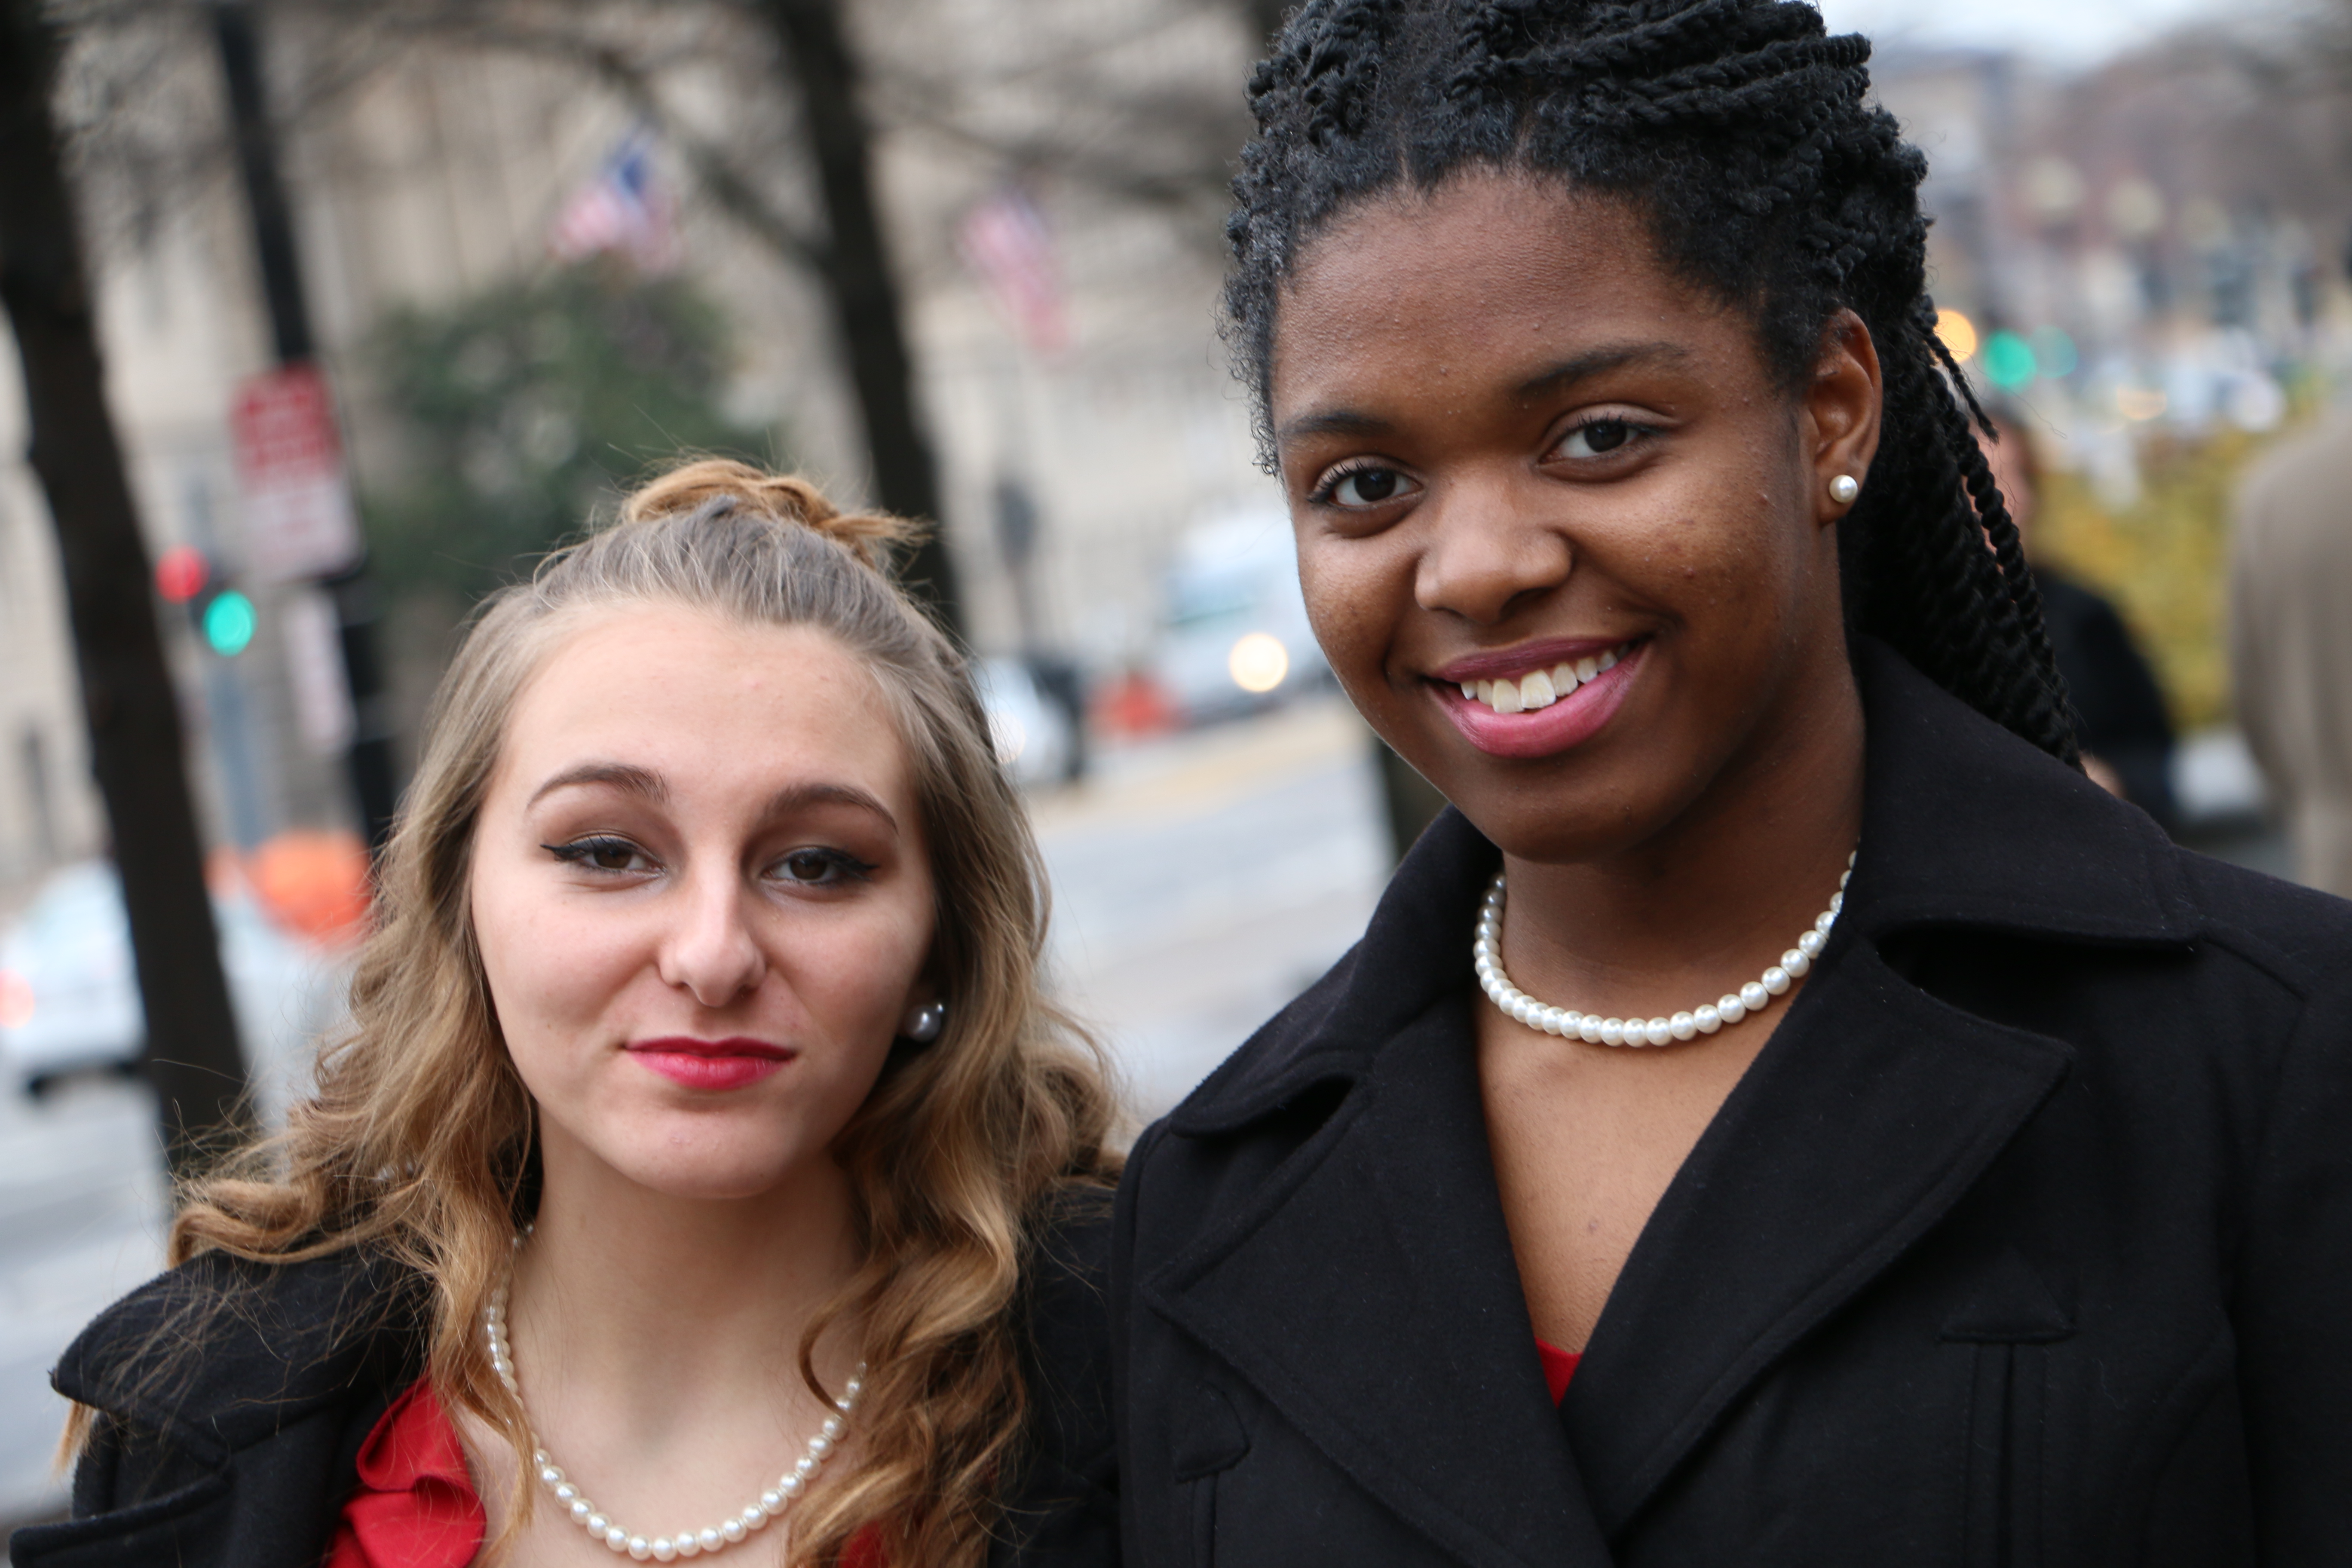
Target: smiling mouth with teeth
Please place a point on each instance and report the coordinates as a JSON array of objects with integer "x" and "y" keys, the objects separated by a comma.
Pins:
[{"x": 1540, "y": 688}]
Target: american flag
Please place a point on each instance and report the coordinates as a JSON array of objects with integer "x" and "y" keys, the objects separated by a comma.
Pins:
[
  {"x": 1004, "y": 240},
  {"x": 624, "y": 207}
]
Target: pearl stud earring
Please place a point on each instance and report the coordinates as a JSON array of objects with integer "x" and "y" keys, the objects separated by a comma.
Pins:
[
  {"x": 1843, "y": 488},
  {"x": 924, "y": 1024}
]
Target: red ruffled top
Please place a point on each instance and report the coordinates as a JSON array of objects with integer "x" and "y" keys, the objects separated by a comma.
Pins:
[
  {"x": 1558, "y": 1366},
  {"x": 416, "y": 1506}
]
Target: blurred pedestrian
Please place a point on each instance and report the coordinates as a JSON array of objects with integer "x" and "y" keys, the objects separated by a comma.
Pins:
[
  {"x": 703, "y": 1153},
  {"x": 1997, "y": 1206},
  {"x": 2119, "y": 713},
  {"x": 2291, "y": 640}
]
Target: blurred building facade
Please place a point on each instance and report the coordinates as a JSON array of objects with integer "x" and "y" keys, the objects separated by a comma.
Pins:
[{"x": 431, "y": 150}]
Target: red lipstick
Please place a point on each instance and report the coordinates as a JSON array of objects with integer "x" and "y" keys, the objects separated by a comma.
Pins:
[
  {"x": 713, "y": 1065},
  {"x": 1546, "y": 731}
]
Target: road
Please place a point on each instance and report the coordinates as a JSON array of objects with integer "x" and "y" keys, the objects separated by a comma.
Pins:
[
  {"x": 1200, "y": 881},
  {"x": 82, "y": 1200}
]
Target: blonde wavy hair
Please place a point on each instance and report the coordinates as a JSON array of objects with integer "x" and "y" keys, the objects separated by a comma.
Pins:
[{"x": 419, "y": 1141}]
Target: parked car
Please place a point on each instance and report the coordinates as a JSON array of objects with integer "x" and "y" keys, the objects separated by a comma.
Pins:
[
  {"x": 1034, "y": 737},
  {"x": 69, "y": 994},
  {"x": 1235, "y": 638}
]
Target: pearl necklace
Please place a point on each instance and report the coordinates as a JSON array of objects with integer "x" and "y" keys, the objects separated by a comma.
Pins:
[
  {"x": 1485, "y": 952},
  {"x": 686, "y": 1542}
]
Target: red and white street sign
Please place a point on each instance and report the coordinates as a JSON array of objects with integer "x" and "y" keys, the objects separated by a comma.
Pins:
[{"x": 298, "y": 521}]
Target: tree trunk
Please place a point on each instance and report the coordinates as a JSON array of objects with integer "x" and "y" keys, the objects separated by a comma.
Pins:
[
  {"x": 865, "y": 294},
  {"x": 191, "y": 1054}
]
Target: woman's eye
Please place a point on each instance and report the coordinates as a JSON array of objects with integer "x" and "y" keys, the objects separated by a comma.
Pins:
[
  {"x": 1596, "y": 439},
  {"x": 1365, "y": 487},
  {"x": 821, "y": 867},
  {"x": 602, "y": 854}
]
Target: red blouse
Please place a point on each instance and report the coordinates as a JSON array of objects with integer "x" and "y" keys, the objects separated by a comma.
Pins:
[
  {"x": 1558, "y": 1366},
  {"x": 416, "y": 1506}
]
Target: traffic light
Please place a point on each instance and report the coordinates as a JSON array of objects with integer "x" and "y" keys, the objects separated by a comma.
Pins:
[
  {"x": 228, "y": 624},
  {"x": 223, "y": 618}
]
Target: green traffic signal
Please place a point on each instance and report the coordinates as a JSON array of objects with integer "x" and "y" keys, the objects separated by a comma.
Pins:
[{"x": 229, "y": 622}]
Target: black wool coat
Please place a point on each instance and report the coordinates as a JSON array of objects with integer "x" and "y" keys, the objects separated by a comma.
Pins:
[
  {"x": 2027, "y": 1240},
  {"x": 235, "y": 1399}
]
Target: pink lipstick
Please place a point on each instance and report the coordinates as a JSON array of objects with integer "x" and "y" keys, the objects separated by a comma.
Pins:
[
  {"x": 714, "y": 1065},
  {"x": 1539, "y": 732}
]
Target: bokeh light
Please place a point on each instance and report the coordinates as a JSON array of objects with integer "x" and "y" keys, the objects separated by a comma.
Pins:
[
  {"x": 1258, "y": 662},
  {"x": 181, "y": 573},
  {"x": 2054, "y": 352},
  {"x": 1959, "y": 334},
  {"x": 2009, "y": 362},
  {"x": 229, "y": 624}
]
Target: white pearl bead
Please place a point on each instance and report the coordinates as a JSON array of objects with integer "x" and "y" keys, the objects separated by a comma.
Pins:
[
  {"x": 597, "y": 1523},
  {"x": 733, "y": 1530},
  {"x": 550, "y": 1476},
  {"x": 755, "y": 1517},
  {"x": 582, "y": 1511},
  {"x": 687, "y": 1542},
  {"x": 775, "y": 1497},
  {"x": 1755, "y": 996},
  {"x": 1590, "y": 1030},
  {"x": 1776, "y": 981},
  {"x": 1683, "y": 1026},
  {"x": 1837, "y": 902},
  {"x": 1822, "y": 921},
  {"x": 1659, "y": 1030},
  {"x": 820, "y": 1445},
  {"x": 640, "y": 1548},
  {"x": 1612, "y": 1031},
  {"x": 1795, "y": 961},
  {"x": 1707, "y": 1019},
  {"x": 1811, "y": 943},
  {"x": 1731, "y": 1008},
  {"x": 805, "y": 1468},
  {"x": 564, "y": 1492},
  {"x": 662, "y": 1549},
  {"x": 710, "y": 1540}
]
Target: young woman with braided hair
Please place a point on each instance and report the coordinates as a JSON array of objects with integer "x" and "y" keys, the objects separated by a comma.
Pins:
[{"x": 1783, "y": 1113}]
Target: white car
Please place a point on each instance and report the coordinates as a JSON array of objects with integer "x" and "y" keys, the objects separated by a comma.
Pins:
[
  {"x": 1237, "y": 636},
  {"x": 1032, "y": 733},
  {"x": 69, "y": 994}
]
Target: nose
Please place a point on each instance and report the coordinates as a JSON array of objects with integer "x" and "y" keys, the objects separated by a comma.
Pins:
[
  {"x": 1487, "y": 549},
  {"x": 711, "y": 950}
]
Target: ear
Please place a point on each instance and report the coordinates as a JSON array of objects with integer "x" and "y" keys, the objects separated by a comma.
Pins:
[{"x": 1838, "y": 421}]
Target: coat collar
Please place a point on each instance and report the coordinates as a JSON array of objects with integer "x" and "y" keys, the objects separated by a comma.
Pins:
[
  {"x": 221, "y": 1352},
  {"x": 1963, "y": 825},
  {"x": 1873, "y": 1108}
]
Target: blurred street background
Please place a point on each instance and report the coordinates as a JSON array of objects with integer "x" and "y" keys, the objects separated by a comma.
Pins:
[{"x": 393, "y": 295}]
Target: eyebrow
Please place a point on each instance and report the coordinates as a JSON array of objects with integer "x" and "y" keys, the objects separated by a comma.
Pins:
[
  {"x": 1552, "y": 379},
  {"x": 801, "y": 796},
  {"x": 625, "y": 777},
  {"x": 1600, "y": 361},
  {"x": 631, "y": 779}
]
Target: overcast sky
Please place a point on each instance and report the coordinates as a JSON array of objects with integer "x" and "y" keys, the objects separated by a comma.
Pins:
[{"x": 2063, "y": 32}]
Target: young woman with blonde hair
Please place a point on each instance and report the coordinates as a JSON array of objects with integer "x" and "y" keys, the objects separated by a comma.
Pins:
[{"x": 704, "y": 1172}]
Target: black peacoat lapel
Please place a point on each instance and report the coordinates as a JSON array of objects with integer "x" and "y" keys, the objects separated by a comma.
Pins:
[
  {"x": 1875, "y": 1106},
  {"x": 1366, "y": 1288}
]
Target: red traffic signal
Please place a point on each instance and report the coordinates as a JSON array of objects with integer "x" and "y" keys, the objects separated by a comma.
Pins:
[{"x": 181, "y": 573}]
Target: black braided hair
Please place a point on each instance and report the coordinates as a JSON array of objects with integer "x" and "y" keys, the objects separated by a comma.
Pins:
[{"x": 1739, "y": 129}]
